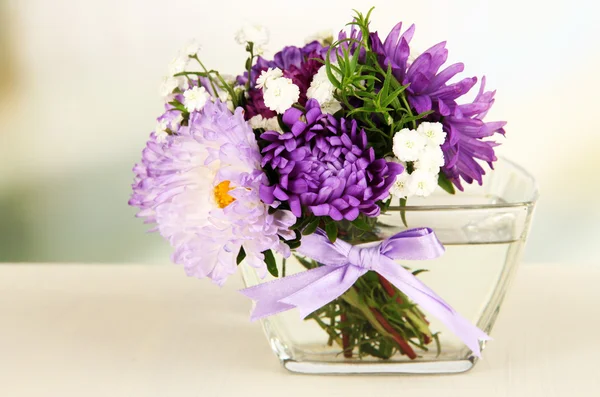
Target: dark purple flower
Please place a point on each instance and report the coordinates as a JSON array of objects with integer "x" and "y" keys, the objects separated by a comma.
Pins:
[
  {"x": 299, "y": 64},
  {"x": 325, "y": 167},
  {"x": 429, "y": 89},
  {"x": 466, "y": 130}
]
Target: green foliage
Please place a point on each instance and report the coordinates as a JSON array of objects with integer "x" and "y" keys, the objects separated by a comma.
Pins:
[
  {"x": 271, "y": 263},
  {"x": 240, "y": 256},
  {"x": 369, "y": 94},
  {"x": 445, "y": 183}
]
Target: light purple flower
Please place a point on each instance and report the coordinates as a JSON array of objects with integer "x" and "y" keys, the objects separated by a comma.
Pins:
[
  {"x": 201, "y": 187},
  {"x": 325, "y": 166}
]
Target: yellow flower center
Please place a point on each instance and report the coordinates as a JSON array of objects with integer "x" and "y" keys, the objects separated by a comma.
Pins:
[{"x": 222, "y": 196}]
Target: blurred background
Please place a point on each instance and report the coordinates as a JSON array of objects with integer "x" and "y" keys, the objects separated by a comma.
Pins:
[{"x": 79, "y": 96}]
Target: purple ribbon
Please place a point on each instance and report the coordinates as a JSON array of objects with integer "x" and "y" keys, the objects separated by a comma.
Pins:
[{"x": 345, "y": 263}]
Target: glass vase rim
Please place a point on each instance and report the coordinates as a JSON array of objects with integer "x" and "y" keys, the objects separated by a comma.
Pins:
[{"x": 483, "y": 206}]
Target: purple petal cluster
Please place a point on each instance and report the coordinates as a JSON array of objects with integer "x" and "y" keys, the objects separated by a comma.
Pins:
[
  {"x": 176, "y": 186},
  {"x": 325, "y": 166},
  {"x": 299, "y": 64},
  {"x": 429, "y": 90}
]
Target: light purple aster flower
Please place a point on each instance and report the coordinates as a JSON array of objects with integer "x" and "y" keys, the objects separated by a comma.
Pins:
[
  {"x": 429, "y": 89},
  {"x": 201, "y": 186},
  {"x": 325, "y": 166}
]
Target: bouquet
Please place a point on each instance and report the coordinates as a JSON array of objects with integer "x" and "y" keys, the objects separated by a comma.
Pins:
[{"x": 298, "y": 156}]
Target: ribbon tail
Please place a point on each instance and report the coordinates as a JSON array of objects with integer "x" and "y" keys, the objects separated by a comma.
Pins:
[
  {"x": 324, "y": 290},
  {"x": 422, "y": 295},
  {"x": 268, "y": 296}
]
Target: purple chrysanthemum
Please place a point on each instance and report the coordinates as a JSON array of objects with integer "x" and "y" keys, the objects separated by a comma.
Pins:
[
  {"x": 201, "y": 186},
  {"x": 429, "y": 90},
  {"x": 325, "y": 167}
]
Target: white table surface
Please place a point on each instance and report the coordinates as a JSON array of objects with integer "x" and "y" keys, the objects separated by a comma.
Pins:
[{"x": 128, "y": 330}]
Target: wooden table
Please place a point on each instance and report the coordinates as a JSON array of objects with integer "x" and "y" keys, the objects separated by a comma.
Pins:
[{"x": 129, "y": 330}]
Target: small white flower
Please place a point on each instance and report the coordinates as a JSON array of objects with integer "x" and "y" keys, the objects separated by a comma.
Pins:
[
  {"x": 177, "y": 65},
  {"x": 168, "y": 85},
  {"x": 408, "y": 144},
  {"x": 270, "y": 124},
  {"x": 323, "y": 36},
  {"x": 225, "y": 97},
  {"x": 256, "y": 34},
  {"x": 422, "y": 183},
  {"x": 270, "y": 74},
  {"x": 402, "y": 186},
  {"x": 161, "y": 130},
  {"x": 195, "y": 98},
  {"x": 193, "y": 48},
  {"x": 433, "y": 132},
  {"x": 322, "y": 90},
  {"x": 176, "y": 122},
  {"x": 280, "y": 94},
  {"x": 431, "y": 159}
]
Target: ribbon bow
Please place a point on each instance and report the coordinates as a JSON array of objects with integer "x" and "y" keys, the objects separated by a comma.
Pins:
[{"x": 345, "y": 263}]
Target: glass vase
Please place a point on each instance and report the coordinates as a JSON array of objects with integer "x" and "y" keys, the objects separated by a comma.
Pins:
[{"x": 483, "y": 229}]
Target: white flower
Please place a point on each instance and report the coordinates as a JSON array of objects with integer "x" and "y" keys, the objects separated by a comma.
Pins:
[
  {"x": 192, "y": 48},
  {"x": 270, "y": 124},
  {"x": 256, "y": 34},
  {"x": 431, "y": 159},
  {"x": 408, "y": 144},
  {"x": 433, "y": 132},
  {"x": 176, "y": 122},
  {"x": 322, "y": 36},
  {"x": 177, "y": 65},
  {"x": 322, "y": 90},
  {"x": 168, "y": 85},
  {"x": 402, "y": 186},
  {"x": 225, "y": 97},
  {"x": 161, "y": 131},
  {"x": 280, "y": 94},
  {"x": 422, "y": 183},
  {"x": 270, "y": 74},
  {"x": 195, "y": 98}
]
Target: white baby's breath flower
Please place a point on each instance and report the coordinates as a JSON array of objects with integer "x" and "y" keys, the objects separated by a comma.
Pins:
[
  {"x": 176, "y": 122},
  {"x": 280, "y": 94},
  {"x": 422, "y": 183},
  {"x": 433, "y": 132},
  {"x": 178, "y": 64},
  {"x": 323, "y": 36},
  {"x": 431, "y": 159},
  {"x": 408, "y": 144},
  {"x": 195, "y": 98},
  {"x": 270, "y": 124},
  {"x": 322, "y": 90},
  {"x": 161, "y": 130},
  {"x": 256, "y": 34},
  {"x": 225, "y": 97},
  {"x": 402, "y": 188},
  {"x": 192, "y": 48},
  {"x": 270, "y": 74},
  {"x": 168, "y": 85}
]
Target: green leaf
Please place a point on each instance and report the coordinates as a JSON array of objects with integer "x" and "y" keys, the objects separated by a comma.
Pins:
[
  {"x": 332, "y": 231},
  {"x": 403, "y": 212},
  {"x": 240, "y": 256},
  {"x": 178, "y": 105},
  {"x": 418, "y": 271},
  {"x": 312, "y": 226},
  {"x": 445, "y": 183},
  {"x": 271, "y": 263},
  {"x": 361, "y": 224}
]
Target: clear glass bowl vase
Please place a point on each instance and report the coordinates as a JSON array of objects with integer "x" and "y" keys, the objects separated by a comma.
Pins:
[{"x": 483, "y": 230}]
